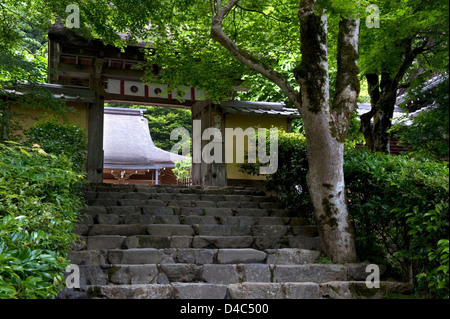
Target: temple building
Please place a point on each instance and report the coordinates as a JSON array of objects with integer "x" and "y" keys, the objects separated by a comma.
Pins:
[{"x": 130, "y": 156}]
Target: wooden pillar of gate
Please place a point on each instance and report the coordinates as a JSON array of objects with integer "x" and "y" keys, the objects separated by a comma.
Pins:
[
  {"x": 94, "y": 161},
  {"x": 207, "y": 174}
]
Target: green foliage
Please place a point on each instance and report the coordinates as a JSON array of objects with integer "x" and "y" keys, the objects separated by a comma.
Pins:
[
  {"x": 22, "y": 53},
  {"x": 383, "y": 49},
  {"x": 40, "y": 199},
  {"x": 398, "y": 208},
  {"x": 183, "y": 169},
  {"x": 400, "y": 212},
  {"x": 354, "y": 135},
  {"x": 428, "y": 134},
  {"x": 23, "y": 60},
  {"x": 56, "y": 138},
  {"x": 324, "y": 260},
  {"x": 162, "y": 121},
  {"x": 437, "y": 279},
  {"x": 289, "y": 181}
]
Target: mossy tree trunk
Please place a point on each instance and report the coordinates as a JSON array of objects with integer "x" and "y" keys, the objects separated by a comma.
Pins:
[{"x": 326, "y": 124}]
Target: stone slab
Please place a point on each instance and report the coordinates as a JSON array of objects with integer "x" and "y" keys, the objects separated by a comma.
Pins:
[
  {"x": 292, "y": 256},
  {"x": 220, "y": 274},
  {"x": 199, "y": 291},
  {"x": 181, "y": 272},
  {"x": 257, "y": 273},
  {"x": 309, "y": 273},
  {"x": 146, "y": 241},
  {"x": 194, "y": 256},
  {"x": 137, "y": 256},
  {"x": 170, "y": 230},
  {"x": 131, "y": 292},
  {"x": 133, "y": 274},
  {"x": 121, "y": 230},
  {"x": 302, "y": 290},
  {"x": 222, "y": 242},
  {"x": 238, "y": 256},
  {"x": 359, "y": 290},
  {"x": 250, "y": 290},
  {"x": 105, "y": 242}
]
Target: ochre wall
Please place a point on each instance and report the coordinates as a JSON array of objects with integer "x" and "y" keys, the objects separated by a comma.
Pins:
[
  {"x": 245, "y": 121},
  {"x": 27, "y": 117}
]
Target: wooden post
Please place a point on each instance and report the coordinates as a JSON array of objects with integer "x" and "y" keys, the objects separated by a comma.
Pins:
[
  {"x": 204, "y": 174},
  {"x": 54, "y": 49},
  {"x": 200, "y": 174},
  {"x": 94, "y": 163},
  {"x": 219, "y": 170}
]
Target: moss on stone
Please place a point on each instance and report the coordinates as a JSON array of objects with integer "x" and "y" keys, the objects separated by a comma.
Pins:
[
  {"x": 112, "y": 270},
  {"x": 361, "y": 290},
  {"x": 94, "y": 292}
]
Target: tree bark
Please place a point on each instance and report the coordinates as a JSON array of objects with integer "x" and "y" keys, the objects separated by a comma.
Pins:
[
  {"x": 325, "y": 127},
  {"x": 376, "y": 123}
]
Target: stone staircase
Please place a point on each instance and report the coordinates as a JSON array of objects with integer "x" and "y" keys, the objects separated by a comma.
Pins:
[{"x": 180, "y": 242}]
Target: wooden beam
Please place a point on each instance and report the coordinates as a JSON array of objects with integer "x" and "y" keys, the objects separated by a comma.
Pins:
[
  {"x": 131, "y": 53},
  {"x": 84, "y": 71},
  {"x": 152, "y": 101}
]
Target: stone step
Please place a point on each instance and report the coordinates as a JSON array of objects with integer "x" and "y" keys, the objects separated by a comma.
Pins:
[
  {"x": 173, "y": 189},
  {"x": 166, "y": 272},
  {"x": 160, "y": 228},
  {"x": 246, "y": 290},
  {"x": 102, "y": 217},
  {"x": 304, "y": 242},
  {"x": 185, "y": 242},
  {"x": 219, "y": 200},
  {"x": 183, "y": 236},
  {"x": 116, "y": 255},
  {"x": 159, "y": 209}
]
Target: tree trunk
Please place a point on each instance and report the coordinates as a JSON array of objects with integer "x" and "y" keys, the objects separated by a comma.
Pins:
[
  {"x": 376, "y": 123},
  {"x": 383, "y": 96},
  {"x": 327, "y": 189},
  {"x": 326, "y": 129}
]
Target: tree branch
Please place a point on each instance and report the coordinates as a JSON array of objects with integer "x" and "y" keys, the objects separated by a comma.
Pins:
[
  {"x": 347, "y": 81},
  {"x": 213, "y": 11},
  {"x": 410, "y": 56},
  {"x": 222, "y": 12},
  {"x": 217, "y": 33},
  {"x": 256, "y": 11}
]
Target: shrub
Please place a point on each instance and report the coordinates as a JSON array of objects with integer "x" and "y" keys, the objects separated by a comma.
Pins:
[
  {"x": 400, "y": 214},
  {"x": 398, "y": 209},
  {"x": 56, "y": 138},
  {"x": 289, "y": 181},
  {"x": 183, "y": 169},
  {"x": 40, "y": 198}
]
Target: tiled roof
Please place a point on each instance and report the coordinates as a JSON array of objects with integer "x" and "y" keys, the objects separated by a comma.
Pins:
[
  {"x": 70, "y": 93},
  {"x": 261, "y": 108},
  {"x": 127, "y": 142}
]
